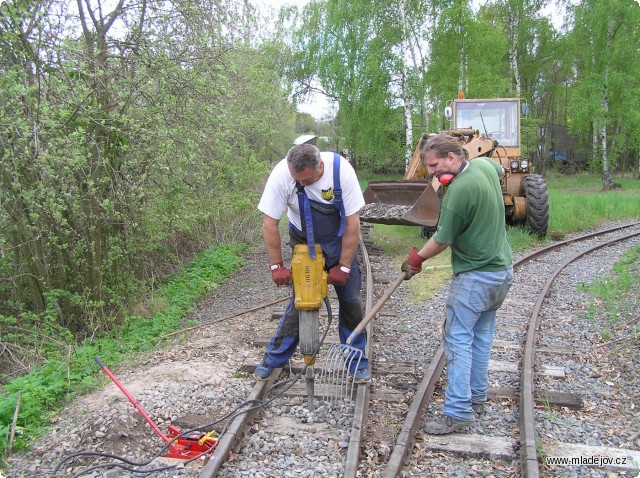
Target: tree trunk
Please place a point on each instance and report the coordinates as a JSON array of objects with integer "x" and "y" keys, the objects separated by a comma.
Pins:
[
  {"x": 607, "y": 180},
  {"x": 406, "y": 100},
  {"x": 408, "y": 153},
  {"x": 512, "y": 27}
]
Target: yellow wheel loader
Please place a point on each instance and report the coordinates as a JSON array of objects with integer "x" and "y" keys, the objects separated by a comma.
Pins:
[{"x": 484, "y": 127}]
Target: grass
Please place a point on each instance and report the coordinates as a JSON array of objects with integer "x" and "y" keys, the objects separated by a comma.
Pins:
[
  {"x": 397, "y": 241},
  {"x": 551, "y": 413},
  {"x": 609, "y": 296},
  {"x": 577, "y": 202}
]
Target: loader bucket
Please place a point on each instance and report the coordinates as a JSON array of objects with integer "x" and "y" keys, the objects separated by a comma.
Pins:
[{"x": 405, "y": 203}]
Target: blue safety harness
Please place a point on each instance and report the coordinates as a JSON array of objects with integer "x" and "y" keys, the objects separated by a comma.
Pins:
[{"x": 323, "y": 213}]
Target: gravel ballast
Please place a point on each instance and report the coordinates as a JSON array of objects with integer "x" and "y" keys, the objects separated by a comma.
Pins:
[{"x": 196, "y": 379}]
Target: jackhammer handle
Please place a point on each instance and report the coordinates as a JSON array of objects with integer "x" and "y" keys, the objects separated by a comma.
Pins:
[{"x": 374, "y": 310}]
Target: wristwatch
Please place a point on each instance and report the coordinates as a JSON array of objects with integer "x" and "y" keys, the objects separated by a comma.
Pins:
[
  {"x": 275, "y": 267},
  {"x": 345, "y": 269}
]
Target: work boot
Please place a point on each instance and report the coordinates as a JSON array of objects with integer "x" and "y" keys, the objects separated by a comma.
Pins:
[
  {"x": 362, "y": 376},
  {"x": 263, "y": 371},
  {"x": 447, "y": 424},
  {"x": 478, "y": 408}
]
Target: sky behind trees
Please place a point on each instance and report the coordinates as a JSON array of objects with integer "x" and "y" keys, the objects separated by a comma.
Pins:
[{"x": 317, "y": 104}]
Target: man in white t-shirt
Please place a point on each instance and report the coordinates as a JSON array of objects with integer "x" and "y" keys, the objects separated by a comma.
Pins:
[{"x": 332, "y": 220}]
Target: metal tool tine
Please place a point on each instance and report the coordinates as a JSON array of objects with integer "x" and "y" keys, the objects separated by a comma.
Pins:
[
  {"x": 335, "y": 380},
  {"x": 352, "y": 355},
  {"x": 328, "y": 378}
]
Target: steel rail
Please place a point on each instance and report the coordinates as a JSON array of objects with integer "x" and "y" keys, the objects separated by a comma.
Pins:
[
  {"x": 424, "y": 394},
  {"x": 235, "y": 433},
  {"x": 361, "y": 408},
  {"x": 419, "y": 404},
  {"x": 558, "y": 245},
  {"x": 528, "y": 447}
]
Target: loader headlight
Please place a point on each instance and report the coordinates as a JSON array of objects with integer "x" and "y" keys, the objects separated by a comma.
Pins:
[
  {"x": 514, "y": 164},
  {"x": 524, "y": 164}
]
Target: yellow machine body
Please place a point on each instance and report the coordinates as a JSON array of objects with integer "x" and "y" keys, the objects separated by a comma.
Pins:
[
  {"x": 309, "y": 278},
  {"x": 484, "y": 128}
]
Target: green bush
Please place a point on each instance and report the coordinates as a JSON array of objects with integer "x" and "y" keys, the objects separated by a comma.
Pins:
[{"x": 70, "y": 370}]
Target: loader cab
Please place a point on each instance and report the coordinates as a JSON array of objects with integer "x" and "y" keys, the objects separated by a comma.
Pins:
[
  {"x": 500, "y": 120},
  {"x": 497, "y": 119}
]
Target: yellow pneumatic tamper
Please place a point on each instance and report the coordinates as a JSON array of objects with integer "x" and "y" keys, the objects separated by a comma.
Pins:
[{"x": 310, "y": 289}]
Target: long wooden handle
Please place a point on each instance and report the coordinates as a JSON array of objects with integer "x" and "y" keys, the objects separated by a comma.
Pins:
[{"x": 374, "y": 310}]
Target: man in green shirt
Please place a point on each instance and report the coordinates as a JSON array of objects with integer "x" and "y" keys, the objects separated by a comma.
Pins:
[{"x": 472, "y": 224}]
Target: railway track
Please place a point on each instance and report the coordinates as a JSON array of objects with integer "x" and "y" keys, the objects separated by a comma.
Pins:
[
  {"x": 518, "y": 378},
  {"x": 359, "y": 395},
  {"x": 518, "y": 370},
  {"x": 375, "y": 430}
]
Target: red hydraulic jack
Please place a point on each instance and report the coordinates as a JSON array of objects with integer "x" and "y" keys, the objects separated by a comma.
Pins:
[{"x": 180, "y": 447}]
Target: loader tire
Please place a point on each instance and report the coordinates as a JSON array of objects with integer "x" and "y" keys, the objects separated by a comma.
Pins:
[
  {"x": 534, "y": 189},
  {"x": 428, "y": 231}
]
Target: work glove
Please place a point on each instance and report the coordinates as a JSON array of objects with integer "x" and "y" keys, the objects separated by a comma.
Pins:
[
  {"x": 280, "y": 274},
  {"x": 338, "y": 275},
  {"x": 413, "y": 264}
]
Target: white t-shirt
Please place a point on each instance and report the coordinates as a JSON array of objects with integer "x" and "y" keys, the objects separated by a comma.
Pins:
[{"x": 280, "y": 193}]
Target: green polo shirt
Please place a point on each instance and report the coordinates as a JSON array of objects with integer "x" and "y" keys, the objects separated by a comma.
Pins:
[{"x": 472, "y": 219}]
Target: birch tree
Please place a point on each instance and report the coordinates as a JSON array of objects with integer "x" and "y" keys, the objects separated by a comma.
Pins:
[
  {"x": 467, "y": 54},
  {"x": 518, "y": 17},
  {"x": 604, "y": 102},
  {"x": 344, "y": 48}
]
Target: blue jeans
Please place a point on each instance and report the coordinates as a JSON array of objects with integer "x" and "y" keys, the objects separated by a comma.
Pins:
[{"x": 474, "y": 297}]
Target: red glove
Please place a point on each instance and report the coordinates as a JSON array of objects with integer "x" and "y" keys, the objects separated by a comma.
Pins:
[
  {"x": 413, "y": 264},
  {"x": 338, "y": 275},
  {"x": 280, "y": 274}
]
